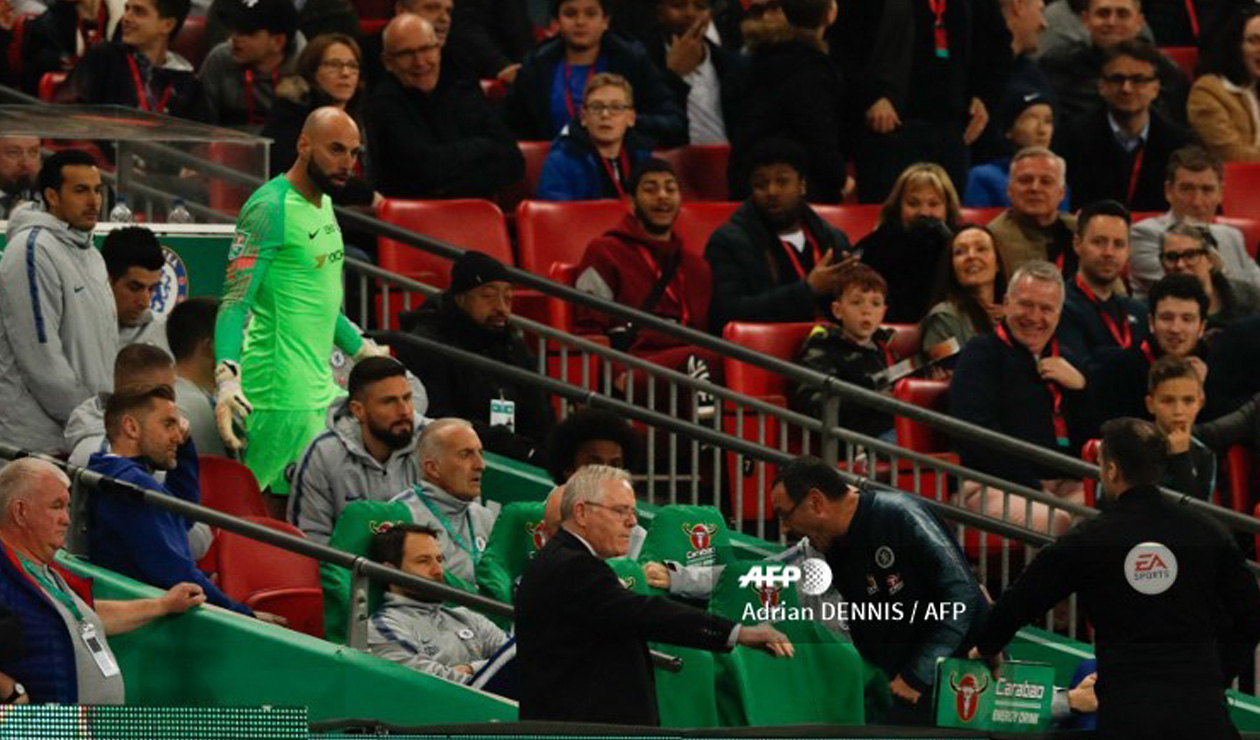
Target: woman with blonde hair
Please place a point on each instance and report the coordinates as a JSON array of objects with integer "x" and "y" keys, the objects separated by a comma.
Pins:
[{"x": 915, "y": 225}]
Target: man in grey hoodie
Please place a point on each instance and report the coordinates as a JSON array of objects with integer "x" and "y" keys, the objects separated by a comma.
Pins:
[
  {"x": 452, "y": 466},
  {"x": 367, "y": 452},
  {"x": 58, "y": 325}
]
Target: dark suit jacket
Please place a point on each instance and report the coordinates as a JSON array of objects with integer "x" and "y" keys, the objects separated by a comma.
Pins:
[
  {"x": 1098, "y": 168},
  {"x": 582, "y": 639}
]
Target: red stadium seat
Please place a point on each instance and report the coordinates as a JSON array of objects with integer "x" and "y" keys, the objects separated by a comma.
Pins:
[
  {"x": 855, "y": 221},
  {"x": 549, "y": 232},
  {"x": 223, "y": 196},
  {"x": 535, "y": 154},
  {"x": 267, "y": 578},
  {"x": 1185, "y": 57},
  {"x": 50, "y": 86},
  {"x": 980, "y": 216},
  {"x": 778, "y": 340},
  {"x": 701, "y": 171},
  {"x": 189, "y": 43},
  {"x": 928, "y": 394},
  {"x": 471, "y": 224},
  {"x": 230, "y": 487},
  {"x": 1240, "y": 472},
  {"x": 905, "y": 340},
  {"x": 559, "y": 312},
  {"x": 370, "y": 26},
  {"x": 698, "y": 221},
  {"x": 1089, "y": 453},
  {"x": 1250, "y": 228},
  {"x": 1242, "y": 190}
]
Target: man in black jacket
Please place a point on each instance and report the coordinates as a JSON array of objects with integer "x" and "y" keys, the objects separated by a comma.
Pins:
[
  {"x": 794, "y": 92},
  {"x": 582, "y": 636},
  {"x": 432, "y": 136},
  {"x": 1120, "y": 151},
  {"x": 775, "y": 260},
  {"x": 888, "y": 551},
  {"x": 60, "y": 36},
  {"x": 1175, "y": 611},
  {"x": 511, "y": 418}
]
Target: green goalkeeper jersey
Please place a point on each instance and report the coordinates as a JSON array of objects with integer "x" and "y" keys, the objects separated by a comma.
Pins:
[{"x": 284, "y": 270}]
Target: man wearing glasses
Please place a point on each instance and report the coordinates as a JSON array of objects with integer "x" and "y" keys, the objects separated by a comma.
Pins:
[
  {"x": 582, "y": 637},
  {"x": 421, "y": 117},
  {"x": 1119, "y": 152},
  {"x": 1186, "y": 250}
]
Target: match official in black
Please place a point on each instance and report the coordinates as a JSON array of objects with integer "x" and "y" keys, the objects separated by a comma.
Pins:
[
  {"x": 1175, "y": 611},
  {"x": 581, "y": 637}
]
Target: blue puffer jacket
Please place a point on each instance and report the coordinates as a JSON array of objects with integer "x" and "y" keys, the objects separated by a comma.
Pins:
[
  {"x": 46, "y": 669},
  {"x": 573, "y": 170}
]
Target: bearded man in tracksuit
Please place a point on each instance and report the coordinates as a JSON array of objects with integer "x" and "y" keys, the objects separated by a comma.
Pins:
[
  {"x": 420, "y": 632},
  {"x": 366, "y": 453},
  {"x": 1175, "y": 610}
]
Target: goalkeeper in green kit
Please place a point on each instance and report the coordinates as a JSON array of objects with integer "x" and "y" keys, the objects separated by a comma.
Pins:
[{"x": 284, "y": 277}]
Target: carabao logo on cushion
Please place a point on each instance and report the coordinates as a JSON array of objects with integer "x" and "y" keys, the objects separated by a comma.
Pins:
[
  {"x": 536, "y": 534},
  {"x": 700, "y": 536},
  {"x": 967, "y": 694}
]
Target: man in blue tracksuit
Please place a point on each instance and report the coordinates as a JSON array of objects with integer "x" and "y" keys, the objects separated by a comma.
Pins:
[
  {"x": 897, "y": 566},
  {"x": 143, "y": 542}
]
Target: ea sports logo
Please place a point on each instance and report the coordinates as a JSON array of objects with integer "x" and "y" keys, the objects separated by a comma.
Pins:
[
  {"x": 1150, "y": 568},
  {"x": 700, "y": 535}
]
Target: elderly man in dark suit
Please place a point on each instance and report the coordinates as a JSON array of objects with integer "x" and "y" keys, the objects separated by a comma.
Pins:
[{"x": 582, "y": 637}]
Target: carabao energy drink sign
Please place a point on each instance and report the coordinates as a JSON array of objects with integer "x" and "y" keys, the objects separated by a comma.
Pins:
[{"x": 969, "y": 697}]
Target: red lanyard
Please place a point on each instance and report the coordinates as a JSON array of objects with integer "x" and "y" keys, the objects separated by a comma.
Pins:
[
  {"x": 249, "y": 95},
  {"x": 1145, "y": 346},
  {"x": 655, "y": 268},
  {"x": 1194, "y": 18},
  {"x": 940, "y": 37},
  {"x": 142, "y": 92},
  {"x": 1133, "y": 176},
  {"x": 886, "y": 346},
  {"x": 1122, "y": 332},
  {"x": 569, "y": 104},
  {"x": 788, "y": 247},
  {"x": 1056, "y": 393},
  {"x": 623, "y": 162}
]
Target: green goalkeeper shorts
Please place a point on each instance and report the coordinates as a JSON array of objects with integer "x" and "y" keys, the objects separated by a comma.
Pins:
[{"x": 275, "y": 441}]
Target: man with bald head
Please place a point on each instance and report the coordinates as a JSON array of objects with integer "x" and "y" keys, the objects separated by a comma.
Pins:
[
  {"x": 68, "y": 659},
  {"x": 19, "y": 166},
  {"x": 284, "y": 268},
  {"x": 447, "y": 498},
  {"x": 442, "y": 123}
]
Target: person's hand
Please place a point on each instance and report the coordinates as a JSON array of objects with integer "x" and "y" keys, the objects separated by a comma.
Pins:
[
  {"x": 823, "y": 278},
  {"x": 978, "y": 119},
  {"x": 181, "y": 597},
  {"x": 657, "y": 575},
  {"x": 270, "y": 618},
  {"x": 993, "y": 661},
  {"x": 370, "y": 349},
  {"x": 508, "y": 73},
  {"x": 687, "y": 51},
  {"x": 882, "y": 117},
  {"x": 230, "y": 402},
  {"x": 1082, "y": 699},
  {"x": 185, "y": 429},
  {"x": 377, "y": 200},
  {"x": 1061, "y": 371},
  {"x": 1179, "y": 439},
  {"x": 767, "y": 638},
  {"x": 463, "y": 668},
  {"x": 1200, "y": 367},
  {"x": 904, "y": 691}
]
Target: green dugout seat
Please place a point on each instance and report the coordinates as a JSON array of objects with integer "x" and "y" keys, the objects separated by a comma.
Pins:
[
  {"x": 823, "y": 683},
  {"x": 690, "y": 535},
  {"x": 356, "y": 525},
  {"x": 686, "y": 698},
  {"x": 517, "y": 536}
]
